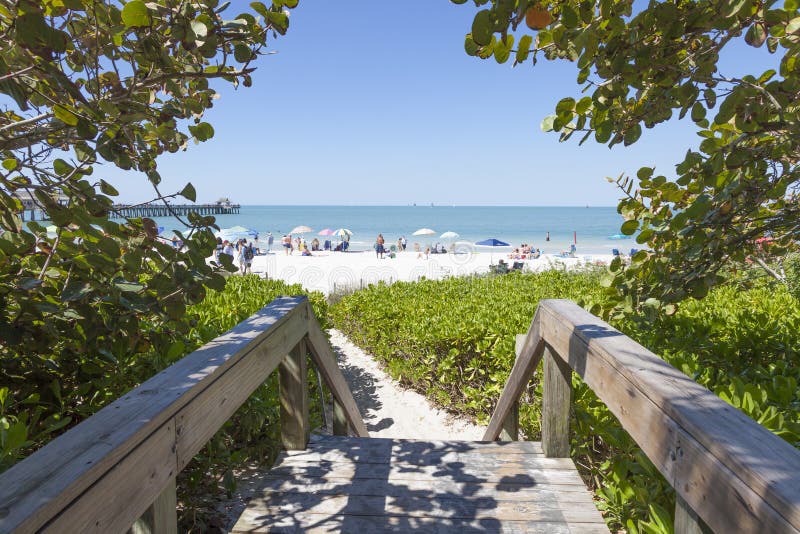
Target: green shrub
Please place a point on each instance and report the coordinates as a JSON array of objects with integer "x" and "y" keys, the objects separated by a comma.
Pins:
[{"x": 454, "y": 341}]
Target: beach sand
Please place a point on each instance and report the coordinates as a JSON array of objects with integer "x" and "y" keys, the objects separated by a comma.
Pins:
[{"x": 331, "y": 272}]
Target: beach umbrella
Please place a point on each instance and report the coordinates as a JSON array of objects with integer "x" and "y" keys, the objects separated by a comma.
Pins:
[
  {"x": 424, "y": 231},
  {"x": 236, "y": 230},
  {"x": 449, "y": 235},
  {"x": 492, "y": 242},
  {"x": 326, "y": 231},
  {"x": 341, "y": 232},
  {"x": 301, "y": 230}
]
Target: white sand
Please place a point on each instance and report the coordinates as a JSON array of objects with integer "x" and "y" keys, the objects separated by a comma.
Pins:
[
  {"x": 389, "y": 410},
  {"x": 333, "y": 271}
]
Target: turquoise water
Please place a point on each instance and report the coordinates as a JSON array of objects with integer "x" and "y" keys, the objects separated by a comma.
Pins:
[{"x": 514, "y": 225}]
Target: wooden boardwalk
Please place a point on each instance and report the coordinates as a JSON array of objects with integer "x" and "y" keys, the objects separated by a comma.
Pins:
[{"x": 366, "y": 485}]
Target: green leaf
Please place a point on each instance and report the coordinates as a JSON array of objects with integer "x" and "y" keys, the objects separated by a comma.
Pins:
[
  {"x": 62, "y": 168},
  {"x": 482, "y": 27},
  {"x": 108, "y": 189},
  {"x": 65, "y": 115},
  {"x": 523, "y": 48},
  {"x": 188, "y": 192},
  {"x": 470, "y": 46},
  {"x": 203, "y": 131},
  {"x": 547, "y": 123},
  {"x": 242, "y": 53},
  {"x": 10, "y": 164},
  {"x": 135, "y": 14},
  {"x": 629, "y": 227}
]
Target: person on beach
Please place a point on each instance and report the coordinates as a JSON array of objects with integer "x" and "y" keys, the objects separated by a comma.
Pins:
[
  {"x": 218, "y": 249},
  {"x": 548, "y": 237},
  {"x": 227, "y": 248},
  {"x": 270, "y": 240},
  {"x": 379, "y": 241},
  {"x": 403, "y": 242},
  {"x": 286, "y": 241}
]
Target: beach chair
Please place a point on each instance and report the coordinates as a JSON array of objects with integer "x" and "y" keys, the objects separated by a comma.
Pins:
[
  {"x": 327, "y": 244},
  {"x": 518, "y": 265}
]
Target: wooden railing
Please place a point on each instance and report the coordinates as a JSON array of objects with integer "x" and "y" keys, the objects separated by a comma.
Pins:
[
  {"x": 730, "y": 473},
  {"x": 118, "y": 468}
]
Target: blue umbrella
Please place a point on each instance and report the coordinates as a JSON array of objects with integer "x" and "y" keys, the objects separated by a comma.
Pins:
[{"x": 492, "y": 242}]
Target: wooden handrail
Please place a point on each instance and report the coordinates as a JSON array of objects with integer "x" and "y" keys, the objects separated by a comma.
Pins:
[
  {"x": 103, "y": 474},
  {"x": 733, "y": 473}
]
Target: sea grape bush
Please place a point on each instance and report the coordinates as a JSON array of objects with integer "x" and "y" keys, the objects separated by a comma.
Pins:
[{"x": 454, "y": 341}]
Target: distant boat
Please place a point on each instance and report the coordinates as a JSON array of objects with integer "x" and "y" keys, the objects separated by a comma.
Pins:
[{"x": 619, "y": 236}]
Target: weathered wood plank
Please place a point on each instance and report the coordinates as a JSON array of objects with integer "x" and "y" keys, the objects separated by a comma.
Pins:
[
  {"x": 494, "y": 474},
  {"x": 162, "y": 516},
  {"x": 521, "y": 373},
  {"x": 510, "y": 429},
  {"x": 327, "y": 524},
  {"x": 423, "y": 504},
  {"x": 512, "y": 491},
  {"x": 125, "y": 492},
  {"x": 493, "y": 448},
  {"x": 35, "y": 490},
  {"x": 427, "y": 458},
  {"x": 293, "y": 385},
  {"x": 325, "y": 360},
  {"x": 556, "y": 402},
  {"x": 200, "y": 419},
  {"x": 686, "y": 520},
  {"x": 699, "y": 442}
]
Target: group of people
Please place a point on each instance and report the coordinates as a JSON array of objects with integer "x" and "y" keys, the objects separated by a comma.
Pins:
[
  {"x": 299, "y": 243},
  {"x": 243, "y": 251},
  {"x": 524, "y": 252},
  {"x": 380, "y": 246}
]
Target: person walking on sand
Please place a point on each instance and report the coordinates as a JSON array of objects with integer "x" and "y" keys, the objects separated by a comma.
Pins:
[
  {"x": 270, "y": 240},
  {"x": 379, "y": 241},
  {"x": 286, "y": 241}
]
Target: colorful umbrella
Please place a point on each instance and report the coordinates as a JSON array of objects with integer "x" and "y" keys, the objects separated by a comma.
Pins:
[
  {"x": 424, "y": 231},
  {"x": 326, "y": 231},
  {"x": 301, "y": 230}
]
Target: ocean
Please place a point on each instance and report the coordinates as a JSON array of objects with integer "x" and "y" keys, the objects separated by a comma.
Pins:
[{"x": 592, "y": 226}]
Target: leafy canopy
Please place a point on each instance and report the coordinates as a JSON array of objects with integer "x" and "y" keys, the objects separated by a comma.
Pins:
[
  {"x": 640, "y": 67},
  {"x": 85, "y": 83}
]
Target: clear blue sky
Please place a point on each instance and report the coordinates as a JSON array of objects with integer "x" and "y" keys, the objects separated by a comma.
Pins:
[{"x": 374, "y": 102}]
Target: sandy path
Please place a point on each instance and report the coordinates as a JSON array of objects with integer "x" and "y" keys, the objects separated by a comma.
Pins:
[{"x": 388, "y": 409}]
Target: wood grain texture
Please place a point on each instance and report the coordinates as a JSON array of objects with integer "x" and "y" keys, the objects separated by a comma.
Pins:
[
  {"x": 162, "y": 516},
  {"x": 382, "y": 485},
  {"x": 524, "y": 365},
  {"x": 325, "y": 360},
  {"x": 686, "y": 520},
  {"x": 699, "y": 442},
  {"x": 293, "y": 393},
  {"x": 66, "y": 473},
  {"x": 556, "y": 402}
]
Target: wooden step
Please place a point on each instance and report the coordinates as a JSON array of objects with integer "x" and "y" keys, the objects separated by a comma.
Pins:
[{"x": 366, "y": 485}]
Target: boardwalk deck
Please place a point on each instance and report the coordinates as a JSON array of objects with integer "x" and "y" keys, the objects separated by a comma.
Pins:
[{"x": 344, "y": 484}]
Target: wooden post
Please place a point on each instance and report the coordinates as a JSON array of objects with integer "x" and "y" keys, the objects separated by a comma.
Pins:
[
  {"x": 686, "y": 520},
  {"x": 556, "y": 399},
  {"x": 340, "y": 426},
  {"x": 293, "y": 378},
  {"x": 510, "y": 429},
  {"x": 162, "y": 516}
]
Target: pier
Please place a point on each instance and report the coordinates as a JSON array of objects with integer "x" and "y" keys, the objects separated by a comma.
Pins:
[{"x": 168, "y": 210}]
